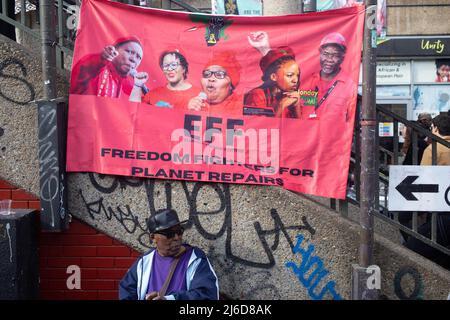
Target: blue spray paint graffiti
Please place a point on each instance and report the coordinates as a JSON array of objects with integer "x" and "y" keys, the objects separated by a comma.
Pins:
[{"x": 313, "y": 280}]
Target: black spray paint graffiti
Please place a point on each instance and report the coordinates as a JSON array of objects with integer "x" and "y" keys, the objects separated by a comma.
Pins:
[
  {"x": 417, "y": 293},
  {"x": 30, "y": 93},
  {"x": 53, "y": 194},
  {"x": 2, "y": 132},
  {"x": 48, "y": 160},
  {"x": 131, "y": 222}
]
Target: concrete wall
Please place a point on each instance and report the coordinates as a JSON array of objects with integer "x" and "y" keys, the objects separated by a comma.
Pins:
[
  {"x": 247, "y": 231},
  {"x": 418, "y": 17}
]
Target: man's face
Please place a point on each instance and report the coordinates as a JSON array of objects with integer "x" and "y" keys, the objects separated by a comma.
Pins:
[
  {"x": 287, "y": 76},
  {"x": 168, "y": 242},
  {"x": 172, "y": 68},
  {"x": 331, "y": 57},
  {"x": 426, "y": 123},
  {"x": 129, "y": 57},
  {"x": 216, "y": 89}
]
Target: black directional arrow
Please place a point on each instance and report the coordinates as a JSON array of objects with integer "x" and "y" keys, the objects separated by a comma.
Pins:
[{"x": 406, "y": 188}]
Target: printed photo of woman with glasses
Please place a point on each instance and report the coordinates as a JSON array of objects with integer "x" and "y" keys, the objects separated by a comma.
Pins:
[
  {"x": 220, "y": 77},
  {"x": 177, "y": 92}
]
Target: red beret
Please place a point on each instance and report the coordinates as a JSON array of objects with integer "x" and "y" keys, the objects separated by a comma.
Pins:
[
  {"x": 228, "y": 61},
  {"x": 172, "y": 49},
  {"x": 275, "y": 54},
  {"x": 127, "y": 39},
  {"x": 334, "y": 38}
]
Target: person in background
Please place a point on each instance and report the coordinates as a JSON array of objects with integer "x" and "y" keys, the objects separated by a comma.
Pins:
[
  {"x": 424, "y": 120},
  {"x": 171, "y": 271},
  {"x": 440, "y": 126}
]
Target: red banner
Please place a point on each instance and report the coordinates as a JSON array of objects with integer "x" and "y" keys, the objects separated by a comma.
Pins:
[{"x": 230, "y": 99}]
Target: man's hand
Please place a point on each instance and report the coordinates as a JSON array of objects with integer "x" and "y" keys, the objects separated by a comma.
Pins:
[
  {"x": 140, "y": 78},
  {"x": 151, "y": 296},
  {"x": 260, "y": 41},
  {"x": 109, "y": 53},
  {"x": 159, "y": 298}
]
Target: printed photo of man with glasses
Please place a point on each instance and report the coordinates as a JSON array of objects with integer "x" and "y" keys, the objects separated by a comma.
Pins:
[{"x": 336, "y": 91}]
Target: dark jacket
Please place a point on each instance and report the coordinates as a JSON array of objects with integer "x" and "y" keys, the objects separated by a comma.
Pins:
[{"x": 201, "y": 280}]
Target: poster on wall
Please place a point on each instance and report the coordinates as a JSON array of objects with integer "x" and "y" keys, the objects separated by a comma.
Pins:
[
  {"x": 322, "y": 5},
  {"x": 386, "y": 129},
  {"x": 431, "y": 98},
  {"x": 197, "y": 97},
  {"x": 432, "y": 71},
  {"x": 393, "y": 72},
  {"x": 237, "y": 7}
]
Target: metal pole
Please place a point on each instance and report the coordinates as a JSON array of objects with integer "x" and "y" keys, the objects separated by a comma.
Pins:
[
  {"x": 48, "y": 42},
  {"x": 52, "y": 129},
  {"x": 369, "y": 174},
  {"x": 369, "y": 171}
]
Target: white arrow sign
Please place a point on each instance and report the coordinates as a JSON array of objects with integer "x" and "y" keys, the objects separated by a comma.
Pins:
[{"x": 419, "y": 188}]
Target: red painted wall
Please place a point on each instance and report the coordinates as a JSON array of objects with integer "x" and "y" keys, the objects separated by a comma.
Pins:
[{"x": 103, "y": 261}]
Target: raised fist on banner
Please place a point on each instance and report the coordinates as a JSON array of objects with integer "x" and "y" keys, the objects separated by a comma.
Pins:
[
  {"x": 140, "y": 78},
  {"x": 260, "y": 41}
]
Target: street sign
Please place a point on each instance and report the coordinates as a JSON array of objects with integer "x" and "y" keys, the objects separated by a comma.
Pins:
[{"x": 419, "y": 188}]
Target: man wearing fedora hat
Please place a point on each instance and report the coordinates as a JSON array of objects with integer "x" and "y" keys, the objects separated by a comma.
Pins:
[{"x": 171, "y": 271}]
